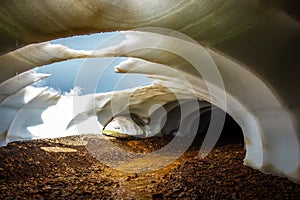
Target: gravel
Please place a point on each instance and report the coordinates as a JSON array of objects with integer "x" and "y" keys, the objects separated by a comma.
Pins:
[{"x": 69, "y": 171}]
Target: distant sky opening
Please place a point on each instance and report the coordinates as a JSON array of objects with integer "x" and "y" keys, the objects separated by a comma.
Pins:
[{"x": 64, "y": 74}]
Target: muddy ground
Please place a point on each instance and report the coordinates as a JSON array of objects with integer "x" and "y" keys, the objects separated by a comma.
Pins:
[{"x": 66, "y": 168}]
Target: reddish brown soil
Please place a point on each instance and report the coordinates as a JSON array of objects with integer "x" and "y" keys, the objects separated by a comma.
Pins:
[{"x": 27, "y": 171}]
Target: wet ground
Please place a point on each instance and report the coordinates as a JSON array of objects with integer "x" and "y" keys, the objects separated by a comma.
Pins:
[{"x": 67, "y": 168}]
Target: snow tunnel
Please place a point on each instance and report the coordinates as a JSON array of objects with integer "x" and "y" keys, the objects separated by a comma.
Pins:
[{"x": 245, "y": 63}]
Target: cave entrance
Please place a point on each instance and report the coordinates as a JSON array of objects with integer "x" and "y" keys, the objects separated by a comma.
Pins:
[
  {"x": 167, "y": 124},
  {"x": 231, "y": 132}
]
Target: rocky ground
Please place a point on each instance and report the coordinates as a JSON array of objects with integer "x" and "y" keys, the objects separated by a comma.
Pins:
[{"x": 65, "y": 168}]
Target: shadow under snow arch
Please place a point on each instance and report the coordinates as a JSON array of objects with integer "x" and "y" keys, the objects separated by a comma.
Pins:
[{"x": 168, "y": 122}]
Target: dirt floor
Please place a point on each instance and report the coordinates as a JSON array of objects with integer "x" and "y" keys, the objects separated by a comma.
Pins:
[{"x": 66, "y": 168}]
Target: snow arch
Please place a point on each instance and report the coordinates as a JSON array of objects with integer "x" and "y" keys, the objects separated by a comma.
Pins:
[{"x": 261, "y": 93}]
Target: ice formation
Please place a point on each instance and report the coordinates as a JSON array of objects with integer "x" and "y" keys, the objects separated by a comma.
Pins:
[{"x": 258, "y": 63}]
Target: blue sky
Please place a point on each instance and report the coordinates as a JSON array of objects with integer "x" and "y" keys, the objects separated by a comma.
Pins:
[{"x": 91, "y": 75}]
